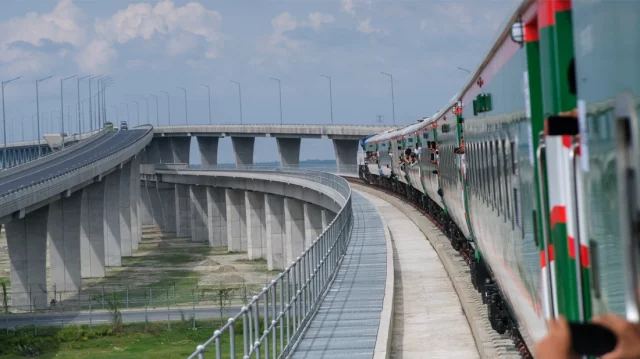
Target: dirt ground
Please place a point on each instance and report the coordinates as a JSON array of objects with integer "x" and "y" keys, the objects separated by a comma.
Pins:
[{"x": 168, "y": 264}]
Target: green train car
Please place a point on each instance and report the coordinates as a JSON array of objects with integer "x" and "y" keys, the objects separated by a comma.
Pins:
[{"x": 533, "y": 170}]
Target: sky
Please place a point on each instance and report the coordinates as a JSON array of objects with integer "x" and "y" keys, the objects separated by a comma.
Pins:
[{"x": 154, "y": 46}]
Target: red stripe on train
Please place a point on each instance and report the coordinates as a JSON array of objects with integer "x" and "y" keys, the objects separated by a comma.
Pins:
[{"x": 558, "y": 215}]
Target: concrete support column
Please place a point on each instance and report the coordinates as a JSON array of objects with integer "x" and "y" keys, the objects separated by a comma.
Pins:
[
  {"x": 166, "y": 149},
  {"x": 167, "y": 195},
  {"x": 199, "y": 218},
  {"x": 183, "y": 211},
  {"x": 126, "y": 248},
  {"x": 152, "y": 152},
  {"x": 157, "y": 208},
  {"x": 134, "y": 192},
  {"x": 181, "y": 149},
  {"x": 112, "y": 219},
  {"x": 346, "y": 154},
  {"x": 289, "y": 149},
  {"x": 208, "y": 151},
  {"x": 327, "y": 217},
  {"x": 217, "y": 217},
  {"x": 275, "y": 231},
  {"x": 92, "y": 231},
  {"x": 312, "y": 223},
  {"x": 27, "y": 243},
  {"x": 243, "y": 148},
  {"x": 236, "y": 221},
  {"x": 63, "y": 234},
  {"x": 146, "y": 210},
  {"x": 256, "y": 225},
  {"x": 294, "y": 221}
]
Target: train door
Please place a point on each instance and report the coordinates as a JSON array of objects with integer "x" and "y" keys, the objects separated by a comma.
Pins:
[
  {"x": 608, "y": 88},
  {"x": 462, "y": 158}
]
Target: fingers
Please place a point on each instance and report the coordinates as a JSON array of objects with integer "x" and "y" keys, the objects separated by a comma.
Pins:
[{"x": 611, "y": 322}]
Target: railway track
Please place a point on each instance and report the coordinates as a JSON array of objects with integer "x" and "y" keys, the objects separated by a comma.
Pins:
[{"x": 508, "y": 345}]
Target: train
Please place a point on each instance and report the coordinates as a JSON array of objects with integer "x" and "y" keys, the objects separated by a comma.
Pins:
[{"x": 532, "y": 168}]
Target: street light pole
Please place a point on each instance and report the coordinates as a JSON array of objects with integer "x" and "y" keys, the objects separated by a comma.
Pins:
[
  {"x": 280, "y": 92},
  {"x": 186, "y": 113},
  {"x": 157, "y": 118},
  {"x": 117, "y": 115},
  {"x": 138, "y": 111},
  {"x": 147, "y": 101},
  {"x": 168, "y": 107},
  {"x": 38, "y": 114},
  {"x": 209, "y": 91},
  {"x": 128, "y": 117},
  {"x": 62, "y": 106},
  {"x": 80, "y": 105},
  {"x": 4, "y": 123},
  {"x": 240, "y": 95},
  {"x": 330, "y": 97},
  {"x": 393, "y": 102},
  {"x": 22, "y": 137}
]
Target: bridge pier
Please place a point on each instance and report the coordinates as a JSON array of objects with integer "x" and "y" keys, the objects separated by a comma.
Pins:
[
  {"x": 275, "y": 231},
  {"x": 112, "y": 219},
  {"x": 183, "y": 211},
  {"x": 289, "y": 149},
  {"x": 146, "y": 210},
  {"x": 312, "y": 223},
  {"x": 126, "y": 247},
  {"x": 217, "y": 217},
  {"x": 134, "y": 192},
  {"x": 208, "y": 147},
  {"x": 256, "y": 226},
  {"x": 26, "y": 240},
  {"x": 199, "y": 217},
  {"x": 181, "y": 147},
  {"x": 243, "y": 149},
  {"x": 92, "y": 231},
  {"x": 63, "y": 233},
  {"x": 236, "y": 220},
  {"x": 167, "y": 195},
  {"x": 346, "y": 154},
  {"x": 152, "y": 152},
  {"x": 327, "y": 217},
  {"x": 294, "y": 228},
  {"x": 165, "y": 149}
]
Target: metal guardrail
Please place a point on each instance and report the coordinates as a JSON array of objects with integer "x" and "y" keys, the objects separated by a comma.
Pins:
[
  {"x": 18, "y": 199},
  {"x": 344, "y": 169},
  {"x": 290, "y": 301}
]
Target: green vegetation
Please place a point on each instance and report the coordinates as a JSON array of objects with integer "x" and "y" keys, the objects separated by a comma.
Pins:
[{"x": 131, "y": 341}]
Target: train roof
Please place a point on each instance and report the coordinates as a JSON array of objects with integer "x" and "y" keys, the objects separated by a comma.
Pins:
[{"x": 377, "y": 137}]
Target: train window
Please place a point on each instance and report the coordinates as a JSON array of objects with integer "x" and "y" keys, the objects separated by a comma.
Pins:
[
  {"x": 514, "y": 159},
  {"x": 516, "y": 221},
  {"x": 498, "y": 170},
  {"x": 485, "y": 173},
  {"x": 506, "y": 172},
  {"x": 492, "y": 176},
  {"x": 410, "y": 140}
]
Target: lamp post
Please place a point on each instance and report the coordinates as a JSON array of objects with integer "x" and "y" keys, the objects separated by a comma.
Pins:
[
  {"x": 209, "y": 91},
  {"x": 330, "y": 97},
  {"x": 168, "y": 107},
  {"x": 240, "y": 96},
  {"x": 4, "y": 124},
  {"x": 393, "y": 103},
  {"x": 62, "y": 106},
  {"x": 128, "y": 117},
  {"x": 22, "y": 137},
  {"x": 147, "y": 101},
  {"x": 91, "y": 103},
  {"x": 138, "y": 111},
  {"x": 38, "y": 113},
  {"x": 186, "y": 113},
  {"x": 117, "y": 114},
  {"x": 79, "y": 105},
  {"x": 280, "y": 92},
  {"x": 157, "y": 118}
]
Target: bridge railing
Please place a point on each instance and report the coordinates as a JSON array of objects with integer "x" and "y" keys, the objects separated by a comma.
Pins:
[
  {"x": 274, "y": 319},
  {"x": 31, "y": 193}
]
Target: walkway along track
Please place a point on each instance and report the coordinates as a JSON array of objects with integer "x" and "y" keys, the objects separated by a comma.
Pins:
[{"x": 490, "y": 344}]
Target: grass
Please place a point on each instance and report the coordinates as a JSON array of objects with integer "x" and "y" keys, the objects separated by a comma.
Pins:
[{"x": 134, "y": 341}]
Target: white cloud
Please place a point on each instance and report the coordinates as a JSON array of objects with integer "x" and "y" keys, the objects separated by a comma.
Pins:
[
  {"x": 348, "y": 6},
  {"x": 181, "y": 43},
  {"x": 365, "y": 27},
  {"x": 277, "y": 42},
  {"x": 61, "y": 26},
  {"x": 96, "y": 56},
  {"x": 316, "y": 19}
]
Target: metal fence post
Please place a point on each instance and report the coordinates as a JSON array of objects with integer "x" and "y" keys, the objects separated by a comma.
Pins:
[{"x": 232, "y": 339}]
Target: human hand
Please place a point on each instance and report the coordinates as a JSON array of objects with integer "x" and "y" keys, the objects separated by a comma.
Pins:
[
  {"x": 557, "y": 343},
  {"x": 627, "y": 333}
]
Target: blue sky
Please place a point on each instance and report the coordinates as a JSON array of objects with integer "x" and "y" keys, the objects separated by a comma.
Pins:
[{"x": 154, "y": 46}]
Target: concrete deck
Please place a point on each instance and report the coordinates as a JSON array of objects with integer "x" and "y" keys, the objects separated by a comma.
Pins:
[
  {"x": 428, "y": 320},
  {"x": 347, "y": 323}
]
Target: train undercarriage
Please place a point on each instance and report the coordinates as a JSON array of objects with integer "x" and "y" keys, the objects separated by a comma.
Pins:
[{"x": 498, "y": 312}]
